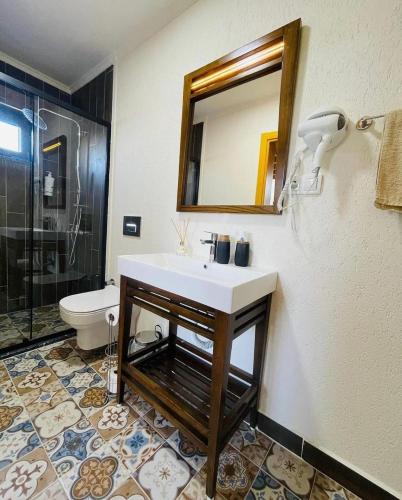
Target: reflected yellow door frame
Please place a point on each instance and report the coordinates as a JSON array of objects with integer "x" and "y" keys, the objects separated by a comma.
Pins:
[{"x": 266, "y": 139}]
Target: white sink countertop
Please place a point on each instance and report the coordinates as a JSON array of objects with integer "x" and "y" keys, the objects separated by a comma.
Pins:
[{"x": 225, "y": 287}]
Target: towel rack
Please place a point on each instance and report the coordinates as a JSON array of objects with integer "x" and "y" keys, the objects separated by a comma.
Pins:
[{"x": 366, "y": 121}]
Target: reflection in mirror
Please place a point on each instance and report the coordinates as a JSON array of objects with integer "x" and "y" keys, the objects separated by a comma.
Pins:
[{"x": 232, "y": 150}]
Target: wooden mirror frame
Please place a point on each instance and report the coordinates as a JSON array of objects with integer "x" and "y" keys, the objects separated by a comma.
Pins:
[{"x": 284, "y": 40}]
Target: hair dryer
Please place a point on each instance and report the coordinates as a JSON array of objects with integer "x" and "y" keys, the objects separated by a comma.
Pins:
[{"x": 323, "y": 130}]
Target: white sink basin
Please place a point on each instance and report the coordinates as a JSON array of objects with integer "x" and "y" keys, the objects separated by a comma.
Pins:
[{"x": 227, "y": 288}]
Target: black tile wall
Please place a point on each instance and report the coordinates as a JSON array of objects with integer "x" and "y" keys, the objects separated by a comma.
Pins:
[
  {"x": 20, "y": 75},
  {"x": 96, "y": 96}
]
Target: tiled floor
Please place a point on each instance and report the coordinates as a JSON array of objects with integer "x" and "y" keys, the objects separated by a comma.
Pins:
[
  {"x": 15, "y": 327},
  {"x": 61, "y": 438}
]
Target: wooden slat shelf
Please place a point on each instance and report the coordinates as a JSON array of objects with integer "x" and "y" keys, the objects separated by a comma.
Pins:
[
  {"x": 189, "y": 379},
  {"x": 202, "y": 394}
]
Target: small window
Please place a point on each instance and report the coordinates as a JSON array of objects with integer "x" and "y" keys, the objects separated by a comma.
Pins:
[{"x": 10, "y": 137}]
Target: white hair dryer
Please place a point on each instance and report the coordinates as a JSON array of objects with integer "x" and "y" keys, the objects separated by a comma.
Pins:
[{"x": 323, "y": 130}]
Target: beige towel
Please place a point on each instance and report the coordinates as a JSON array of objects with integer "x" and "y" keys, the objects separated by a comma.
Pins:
[{"x": 389, "y": 174}]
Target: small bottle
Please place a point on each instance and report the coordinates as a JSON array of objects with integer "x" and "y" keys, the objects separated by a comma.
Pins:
[
  {"x": 242, "y": 252},
  {"x": 223, "y": 249}
]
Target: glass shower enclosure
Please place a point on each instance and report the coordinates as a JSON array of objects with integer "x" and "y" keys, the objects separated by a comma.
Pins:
[{"x": 53, "y": 204}]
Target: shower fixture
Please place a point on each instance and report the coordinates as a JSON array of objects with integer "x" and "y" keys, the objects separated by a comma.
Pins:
[
  {"x": 34, "y": 118},
  {"x": 29, "y": 115},
  {"x": 75, "y": 225}
]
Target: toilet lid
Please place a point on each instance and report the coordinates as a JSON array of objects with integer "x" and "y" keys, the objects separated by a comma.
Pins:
[{"x": 92, "y": 301}]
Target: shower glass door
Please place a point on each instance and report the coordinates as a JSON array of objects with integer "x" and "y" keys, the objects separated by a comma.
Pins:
[
  {"x": 53, "y": 201},
  {"x": 68, "y": 211},
  {"x": 16, "y": 162}
]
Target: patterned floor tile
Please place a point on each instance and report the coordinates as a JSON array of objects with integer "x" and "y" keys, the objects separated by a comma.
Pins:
[
  {"x": 136, "y": 444},
  {"x": 196, "y": 489},
  {"x": 4, "y": 320},
  {"x": 112, "y": 419},
  {"x": 325, "y": 489},
  {"x": 236, "y": 474},
  {"x": 267, "y": 488},
  {"x": 7, "y": 391},
  {"x": 80, "y": 380},
  {"x": 4, "y": 377},
  {"x": 90, "y": 356},
  {"x": 160, "y": 423},
  {"x": 130, "y": 490},
  {"x": 102, "y": 367},
  {"x": 188, "y": 450},
  {"x": 92, "y": 399},
  {"x": 34, "y": 380},
  {"x": 290, "y": 470},
  {"x": 96, "y": 477},
  {"x": 54, "y": 353},
  {"x": 56, "y": 403},
  {"x": 165, "y": 475},
  {"x": 251, "y": 443},
  {"x": 44, "y": 398},
  {"x": 25, "y": 363},
  {"x": 54, "y": 492},
  {"x": 69, "y": 365},
  {"x": 10, "y": 337},
  {"x": 54, "y": 421},
  {"x": 27, "y": 477},
  {"x": 17, "y": 435},
  {"x": 72, "y": 446},
  {"x": 135, "y": 401}
]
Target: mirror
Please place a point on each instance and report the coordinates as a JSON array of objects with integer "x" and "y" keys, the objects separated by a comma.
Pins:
[
  {"x": 228, "y": 145},
  {"x": 236, "y": 125}
]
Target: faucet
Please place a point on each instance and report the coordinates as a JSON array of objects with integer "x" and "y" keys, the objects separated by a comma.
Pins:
[{"x": 211, "y": 241}]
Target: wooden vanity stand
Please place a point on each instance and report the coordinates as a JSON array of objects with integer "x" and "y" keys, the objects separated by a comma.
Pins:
[{"x": 204, "y": 396}]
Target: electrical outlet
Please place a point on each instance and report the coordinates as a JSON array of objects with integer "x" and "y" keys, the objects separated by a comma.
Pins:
[{"x": 307, "y": 184}]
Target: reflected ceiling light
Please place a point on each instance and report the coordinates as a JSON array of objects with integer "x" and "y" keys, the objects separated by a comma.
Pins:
[
  {"x": 233, "y": 69},
  {"x": 51, "y": 147}
]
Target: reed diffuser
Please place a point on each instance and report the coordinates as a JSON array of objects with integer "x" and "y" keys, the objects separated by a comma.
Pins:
[{"x": 181, "y": 230}]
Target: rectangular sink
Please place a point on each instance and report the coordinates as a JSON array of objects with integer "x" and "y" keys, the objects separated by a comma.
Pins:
[{"x": 227, "y": 288}]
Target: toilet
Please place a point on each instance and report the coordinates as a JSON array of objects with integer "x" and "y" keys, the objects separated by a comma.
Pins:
[{"x": 85, "y": 312}]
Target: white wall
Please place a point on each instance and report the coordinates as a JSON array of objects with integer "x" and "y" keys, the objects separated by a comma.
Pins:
[{"x": 333, "y": 368}]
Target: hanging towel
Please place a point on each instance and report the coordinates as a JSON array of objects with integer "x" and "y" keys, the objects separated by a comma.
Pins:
[{"x": 389, "y": 174}]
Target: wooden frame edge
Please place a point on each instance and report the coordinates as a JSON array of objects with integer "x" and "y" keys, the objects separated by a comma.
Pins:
[{"x": 290, "y": 33}]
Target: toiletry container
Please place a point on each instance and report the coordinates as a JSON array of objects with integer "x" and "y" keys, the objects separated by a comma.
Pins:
[
  {"x": 223, "y": 249},
  {"x": 49, "y": 184},
  {"x": 242, "y": 252}
]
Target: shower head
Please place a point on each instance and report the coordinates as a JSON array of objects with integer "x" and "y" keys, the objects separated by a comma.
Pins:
[{"x": 34, "y": 118}]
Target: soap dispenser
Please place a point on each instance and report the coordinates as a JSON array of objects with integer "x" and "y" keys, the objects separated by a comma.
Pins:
[
  {"x": 223, "y": 249},
  {"x": 242, "y": 252}
]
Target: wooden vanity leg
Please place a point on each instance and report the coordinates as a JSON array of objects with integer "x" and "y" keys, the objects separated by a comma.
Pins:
[
  {"x": 124, "y": 336},
  {"x": 260, "y": 344},
  {"x": 172, "y": 335},
  {"x": 220, "y": 370}
]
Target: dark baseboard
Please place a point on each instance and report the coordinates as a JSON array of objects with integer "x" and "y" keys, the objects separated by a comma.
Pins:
[
  {"x": 281, "y": 434},
  {"x": 345, "y": 476},
  {"x": 348, "y": 478}
]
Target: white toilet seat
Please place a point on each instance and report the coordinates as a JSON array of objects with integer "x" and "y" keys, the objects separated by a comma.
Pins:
[
  {"x": 91, "y": 302},
  {"x": 86, "y": 313}
]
